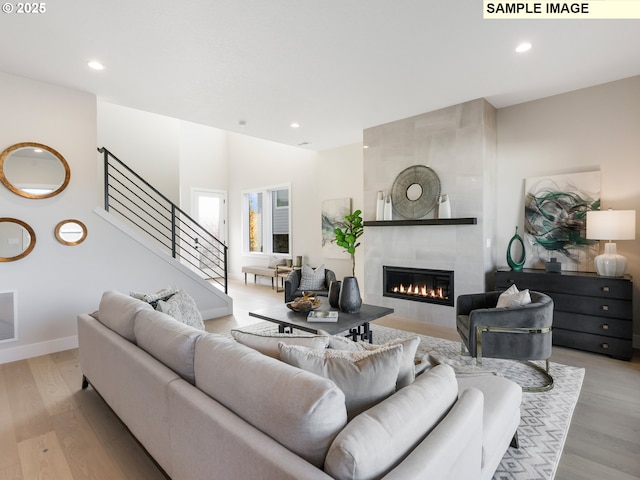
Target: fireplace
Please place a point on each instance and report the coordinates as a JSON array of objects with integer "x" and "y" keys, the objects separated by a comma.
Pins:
[{"x": 418, "y": 284}]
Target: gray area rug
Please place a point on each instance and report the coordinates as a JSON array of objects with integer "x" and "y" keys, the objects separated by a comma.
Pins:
[{"x": 544, "y": 417}]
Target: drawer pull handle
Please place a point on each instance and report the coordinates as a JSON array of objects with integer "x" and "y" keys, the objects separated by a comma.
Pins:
[
  {"x": 605, "y": 308},
  {"x": 605, "y": 289},
  {"x": 605, "y": 326},
  {"x": 605, "y": 345}
]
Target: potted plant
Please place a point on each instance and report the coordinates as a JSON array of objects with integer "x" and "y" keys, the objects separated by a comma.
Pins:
[{"x": 347, "y": 238}]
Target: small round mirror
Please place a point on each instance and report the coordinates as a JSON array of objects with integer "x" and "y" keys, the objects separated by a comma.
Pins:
[
  {"x": 71, "y": 232},
  {"x": 414, "y": 192},
  {"x": 17, "y": 239},
  {"x": 33, "y": 170}
]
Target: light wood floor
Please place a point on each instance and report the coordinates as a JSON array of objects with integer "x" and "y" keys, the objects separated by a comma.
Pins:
[{"x": 51, "y": 429}]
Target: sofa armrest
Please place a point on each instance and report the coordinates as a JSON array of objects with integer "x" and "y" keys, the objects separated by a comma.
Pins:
[{"x": 453, "y": 450}]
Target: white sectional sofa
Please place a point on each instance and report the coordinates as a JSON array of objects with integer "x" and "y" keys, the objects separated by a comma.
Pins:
[{"x": 207, "y": 407}]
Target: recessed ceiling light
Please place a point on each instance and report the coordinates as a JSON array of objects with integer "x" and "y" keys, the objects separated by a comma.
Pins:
[
  {"x": 242, "y": 123},
  {"x": 295, "y": 125},
  {"x": 523, "y": 47},
  {"x": 365, "y": 146},
  {"x": 95, "y": 65}
]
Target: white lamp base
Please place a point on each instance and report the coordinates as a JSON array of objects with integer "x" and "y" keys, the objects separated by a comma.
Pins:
[{"x": 610, "y": 264}]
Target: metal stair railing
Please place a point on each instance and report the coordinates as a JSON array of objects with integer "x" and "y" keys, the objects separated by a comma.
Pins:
[{"x": 140, "y": 204}]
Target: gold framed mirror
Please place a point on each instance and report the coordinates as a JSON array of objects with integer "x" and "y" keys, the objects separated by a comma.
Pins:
[
  {"x": 17, "y": 239},
  {"x": 71, "y": 232},
  {"x": 34, "y": 170}
]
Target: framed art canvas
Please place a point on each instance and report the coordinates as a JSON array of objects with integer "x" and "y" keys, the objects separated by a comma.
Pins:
[
  {"x": 555, "y": 218},
  {"x": 333, "y": 212}
]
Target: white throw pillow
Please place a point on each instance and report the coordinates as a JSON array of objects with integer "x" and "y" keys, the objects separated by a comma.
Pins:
[
  {"x": 312, "y": 279},
  {"x": 374, "y": 442},
  {"x": 365, "y": 377},
  {"x": 407, "y": 373},
  {"x": 267, "y": 344},
  {"x": 153, "y": 298},
  {"x": 512, "y": 297},
  {"x": 183, "y": 308}
]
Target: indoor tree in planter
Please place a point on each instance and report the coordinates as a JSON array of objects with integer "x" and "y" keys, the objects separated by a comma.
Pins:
[{"x": 347, "y": 238}]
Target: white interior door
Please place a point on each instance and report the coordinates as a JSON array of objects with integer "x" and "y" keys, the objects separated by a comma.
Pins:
[{"x": 209, "y": 209}]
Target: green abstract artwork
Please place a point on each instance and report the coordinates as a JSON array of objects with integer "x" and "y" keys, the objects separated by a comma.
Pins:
[{"x": 555, "y": 214}]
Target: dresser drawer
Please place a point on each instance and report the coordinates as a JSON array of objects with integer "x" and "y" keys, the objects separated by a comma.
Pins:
[
  {"x": 608, "y": 327},
  {"x": 592, "y": 286},
  {"x": 602, "y": 307},
  {"x": 614, "y": 347}
]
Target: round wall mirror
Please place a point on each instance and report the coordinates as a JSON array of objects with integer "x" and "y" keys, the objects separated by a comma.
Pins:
[
  {"x": 33, "y": 170},
  {"x": 17, "y": 239},
  {"x": 71, "y": 232}
]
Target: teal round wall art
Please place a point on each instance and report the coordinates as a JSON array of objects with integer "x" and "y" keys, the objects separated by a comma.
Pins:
[{"x": 516, "y": 265}]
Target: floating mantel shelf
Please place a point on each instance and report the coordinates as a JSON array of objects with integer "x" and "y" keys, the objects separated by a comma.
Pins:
[{"x": 431, "y": 221}]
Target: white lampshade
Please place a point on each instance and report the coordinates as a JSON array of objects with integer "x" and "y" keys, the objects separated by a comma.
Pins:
[{"x": 611, "y": 225}]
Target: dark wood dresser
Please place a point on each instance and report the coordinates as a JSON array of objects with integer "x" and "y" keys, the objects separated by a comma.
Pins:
[{"x": 591, "y": 313}]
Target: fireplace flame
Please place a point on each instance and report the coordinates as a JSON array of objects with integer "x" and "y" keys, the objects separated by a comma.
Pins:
[{"x": 420, "y": 290}]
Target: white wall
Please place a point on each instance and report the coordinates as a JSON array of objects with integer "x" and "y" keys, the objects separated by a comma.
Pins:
[
  {"x": 339, "y": 174},
  {"x": 596, "y": 128},
  {"x": 56, "y": 282}
]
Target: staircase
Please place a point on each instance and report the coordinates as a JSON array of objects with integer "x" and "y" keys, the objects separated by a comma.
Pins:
[{"x": 142, "y": 206}]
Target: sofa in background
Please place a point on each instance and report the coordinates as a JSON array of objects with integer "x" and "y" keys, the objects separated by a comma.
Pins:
[{"x": 205, "y": 406}]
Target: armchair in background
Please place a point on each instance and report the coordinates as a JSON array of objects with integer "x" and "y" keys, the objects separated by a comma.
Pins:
[
  {"x": 292, "y": 285},
  {"x": 520, "y": 332}
]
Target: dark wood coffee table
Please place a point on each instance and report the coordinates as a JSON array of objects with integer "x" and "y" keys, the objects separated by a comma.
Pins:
[{"x": 357, "y": 324}]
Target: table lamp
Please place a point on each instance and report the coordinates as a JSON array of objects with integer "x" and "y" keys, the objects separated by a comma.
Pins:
[{"x": 611, "y": 225}]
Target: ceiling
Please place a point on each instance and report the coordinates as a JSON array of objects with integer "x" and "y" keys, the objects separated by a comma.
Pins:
[{"x": 334, "y": 66}]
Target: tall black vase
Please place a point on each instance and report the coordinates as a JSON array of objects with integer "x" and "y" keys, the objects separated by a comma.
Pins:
[
  {"x": 350, "y": 299},
  {"x": 334, "y": 293}
]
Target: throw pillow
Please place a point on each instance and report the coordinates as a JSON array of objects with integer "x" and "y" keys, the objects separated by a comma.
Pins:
[
  {"x": 312, "y": 279},
  {"x": 365, "y": 377},
  {"x": 512, "y": 297},
  {"x": 407, "y": 372},
  {"x": 376, "y": 441},
  {"x": 183, "y": 308},
  {"x": 267, "y": 344},
  {"x": 153, "y": 298}
]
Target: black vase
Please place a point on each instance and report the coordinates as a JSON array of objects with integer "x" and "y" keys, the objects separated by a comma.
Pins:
[
  {"x": 334, "y": 293},
  {"x": 350, "y": 299}
]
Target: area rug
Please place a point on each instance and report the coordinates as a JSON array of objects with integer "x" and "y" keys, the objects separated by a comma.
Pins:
[{"x": 544, "y": 417}]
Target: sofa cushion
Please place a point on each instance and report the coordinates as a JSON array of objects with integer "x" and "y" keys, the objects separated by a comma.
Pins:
[
  {"x": 183, "y": 308},
  {"x": 117, "y": 311},
  {"x": 407, "y": 372},
  {"x": 169, "y": 341},
  {"x": 312, "y": 279},
  {"x": 267, "y": 344},
  {"x": 301, "y": 411},
  {"x": 365, "y": 377},
  {"x": 377, "y": 440}
]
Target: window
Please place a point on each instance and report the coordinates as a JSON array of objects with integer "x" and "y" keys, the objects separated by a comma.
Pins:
[{"x": 266, "y": 218}]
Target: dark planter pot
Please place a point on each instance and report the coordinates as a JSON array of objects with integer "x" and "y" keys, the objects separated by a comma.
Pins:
[
  {"x": 334, "y": 293},
  {"x": 350, "y": 299}
]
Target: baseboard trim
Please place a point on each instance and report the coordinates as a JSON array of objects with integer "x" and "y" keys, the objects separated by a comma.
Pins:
[{"x": 36, "y": 349}]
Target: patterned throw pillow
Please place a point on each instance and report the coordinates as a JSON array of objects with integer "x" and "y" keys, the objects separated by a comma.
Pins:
[
  {"x": 153, "y": 298},
  {"x": 183, "y": 308},
  {"x": 312, "y": 279}
]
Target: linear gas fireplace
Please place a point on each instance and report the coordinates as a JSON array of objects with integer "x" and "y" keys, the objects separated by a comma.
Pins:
[{"x": 418, "y": 284}]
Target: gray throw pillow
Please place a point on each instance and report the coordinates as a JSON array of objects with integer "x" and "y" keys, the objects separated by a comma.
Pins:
[
  {"x": 312, "y": 279},
  {"x": 366, "y": 377}
]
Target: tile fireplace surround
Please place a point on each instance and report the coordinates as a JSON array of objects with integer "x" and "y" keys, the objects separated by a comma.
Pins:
[{"x": 459, "y": 144}]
